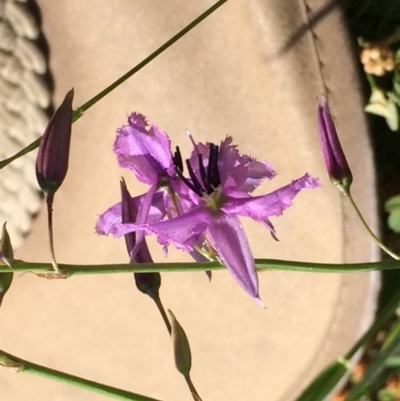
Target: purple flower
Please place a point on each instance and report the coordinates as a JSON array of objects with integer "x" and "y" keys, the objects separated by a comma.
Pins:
[
  {"x": 220, "y": 182},
  {"x": 335, "y": 160},
  {"x": 146, "y": 151}
]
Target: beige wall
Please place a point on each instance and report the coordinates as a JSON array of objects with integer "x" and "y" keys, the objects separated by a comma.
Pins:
[{"x": 233, "y": 75}]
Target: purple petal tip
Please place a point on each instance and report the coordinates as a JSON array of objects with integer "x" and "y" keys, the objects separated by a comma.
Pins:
[{"x": 260, "y": 302}]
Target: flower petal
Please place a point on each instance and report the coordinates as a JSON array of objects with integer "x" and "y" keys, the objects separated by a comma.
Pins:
[
  {"x": 262, "y": 207},
  {"x": 257, "y": 172},
  {"x": 241, "y": 172},
  {"x": 143, "y": 217},
  {"x": 229, "y": 239},
  {"x": 146, "y": 152},
  {"x": 111, "y": 218},
  {"x": 183, "y": 231}
]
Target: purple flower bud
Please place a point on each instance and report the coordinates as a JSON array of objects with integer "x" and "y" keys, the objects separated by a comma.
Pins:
[
  {"x": 147, "y": 283},
  {"x": 53, "y": 155},
  {"x": 335, "y": 160}
]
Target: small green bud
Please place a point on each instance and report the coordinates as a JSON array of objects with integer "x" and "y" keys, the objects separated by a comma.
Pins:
[
  {"x": 7, "y": 252},
  {"x": 181, "y": 347},
  {"x": 5, "y": 243}
]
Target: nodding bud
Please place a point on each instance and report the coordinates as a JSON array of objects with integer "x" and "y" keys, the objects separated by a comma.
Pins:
[
  {"x": 181, "y": 347},
  {"x": 53, "y": 155},
  {"x": 147, "y": 283},
  {"x": 335, "y": 160},
  {"x": 7, "y": 253}
]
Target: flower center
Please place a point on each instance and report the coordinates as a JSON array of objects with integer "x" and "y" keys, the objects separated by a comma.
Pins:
[
  {"x": 208, "y": 187},
  {"x": 214, "y": 200}
]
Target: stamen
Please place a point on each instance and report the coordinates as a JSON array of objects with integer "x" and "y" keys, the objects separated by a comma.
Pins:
[
  {"x": 195, "y": 181},
  {"x": 210, "y": 179},
  {"x": 215, "y": 178},
  {"x": 203, "y": 176},
  {"x": 211, "y": 158},
  {"x": 187, "y": 182},
  {"x": 177, "y": 159},
  {"x": 193, "y": 142}
]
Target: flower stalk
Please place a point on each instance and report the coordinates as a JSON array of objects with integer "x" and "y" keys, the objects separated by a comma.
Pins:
[
  {"x": 18, "y": 365},
  {"x": 182, "y": 353},
  {"x": 52, "y": 160},
  {"x": 19, "y": 266},
  {"x": 369, "y": 231},
  {"x": 78, "y": 113},
  {"x": 146, "y": 283}
]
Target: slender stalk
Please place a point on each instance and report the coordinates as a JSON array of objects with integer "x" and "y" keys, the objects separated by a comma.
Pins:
[
  {"x": 370, "y": 232},
  {"x": 19, "y": 365},
  {"x": 19, "y": 266},
  {"x": 49, "y": 202},
  {"x": 164, "y": 316},
  {"x": 167, "y": 323},
  {"x": 152, "y": 56},
  {"x": 371, "y": 81},
  {"x": 80, "y": 110},
  {"x": 192, "y": 388}
]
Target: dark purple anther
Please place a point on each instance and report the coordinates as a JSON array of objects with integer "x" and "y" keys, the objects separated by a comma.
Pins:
[
  {"x": 177, "y": 159},
  {"x": 210, "y": 178}
]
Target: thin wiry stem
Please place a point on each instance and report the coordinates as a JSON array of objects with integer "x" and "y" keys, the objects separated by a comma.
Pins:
[
  {"x": 164, "y": 316},
  {"x": 86, "y": 106},
  {"x": 19, "y": 266},
  {"x": 49, "y": 202},
  {"x": 369, "y": 231},
  {"x": 192, "y": 388},
  {"x": 167, "y": 323},
  {"x": 19, "y": 365}
]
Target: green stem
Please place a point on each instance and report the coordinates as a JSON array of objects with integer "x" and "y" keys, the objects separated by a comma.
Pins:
[
  {"x": 167, "y": 323},
  {"x": 152, "y": 56},
  {"x": 49, "y": 202},
  {"x": 80, "y": 110},
  {"x": 371, "y": 81},
  {"x": 192, "y": 388},
  {"x": 14, "y": 363},
  {"x": 370, "y": 232},
  {"x": 164, "y": 316},
  {"x": 19, "y": 266}
]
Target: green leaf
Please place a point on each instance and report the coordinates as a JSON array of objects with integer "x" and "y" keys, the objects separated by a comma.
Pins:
[
  {"x": 377, "y": 372},
  {"x": 381, "y": 106},
  {"x": 397, "y": 55},
  {"x": 393, "y": 362},
  {"x": 325, "y": 382},
  {"x": 387, "y": 394},
  {"x": 392, "y": 206}
]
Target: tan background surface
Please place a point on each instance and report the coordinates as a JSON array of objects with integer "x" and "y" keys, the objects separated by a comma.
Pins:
[{"x": 239, "y": 73}]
